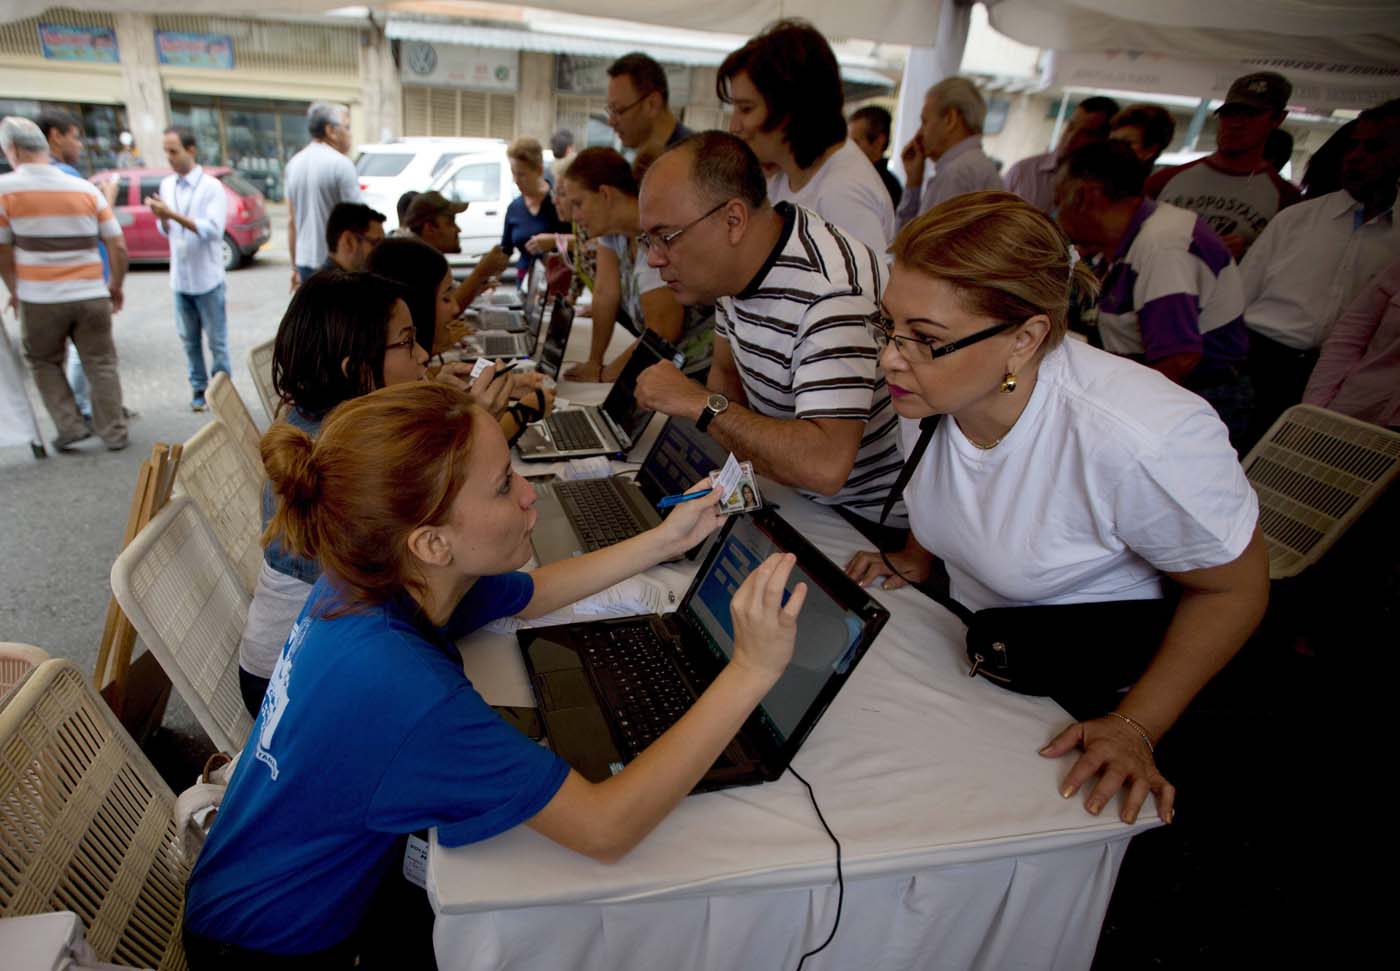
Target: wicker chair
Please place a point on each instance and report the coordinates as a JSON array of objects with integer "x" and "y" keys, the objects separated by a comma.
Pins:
[
  {"x": 214, "y": 473},
  {"x": 16, "y": 661},
  {"x": 260, "y": 363},
  {"x": 1315, "y": 472},
  {"x": 229, "y": 408},
  {"x": 86, "y": 822}
]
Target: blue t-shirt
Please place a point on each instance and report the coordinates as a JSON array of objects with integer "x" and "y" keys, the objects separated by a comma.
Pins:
[
  {"x": 67, "y": 169},
  {"x": 369, "y": 730},
  {"x": 521, "y": 227}
]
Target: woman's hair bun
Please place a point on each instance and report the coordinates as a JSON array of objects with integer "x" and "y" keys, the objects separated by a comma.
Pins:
[{"x": 290, "y": 465}]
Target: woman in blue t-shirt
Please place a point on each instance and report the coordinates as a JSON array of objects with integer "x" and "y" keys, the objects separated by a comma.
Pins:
[
  {"x": 343, "y": 335},
  {"x": 371, "y": 730}
]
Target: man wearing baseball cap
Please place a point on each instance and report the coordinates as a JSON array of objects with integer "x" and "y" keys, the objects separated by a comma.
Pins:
[
  {"x": 432, "y": 217},
  {"x": 1235, "y": 189}
]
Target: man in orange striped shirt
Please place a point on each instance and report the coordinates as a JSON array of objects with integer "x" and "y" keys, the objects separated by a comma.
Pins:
[{"x": 49, "y": 226}]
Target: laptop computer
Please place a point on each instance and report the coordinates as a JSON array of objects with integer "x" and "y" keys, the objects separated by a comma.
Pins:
[
  {"x": 588, "y": 514},
  {"x": 506, "y": 345},
  {"x": 612, "y": 429},
  {"x": 606, "y": 689},
  {"x": 507, "y": 311}
]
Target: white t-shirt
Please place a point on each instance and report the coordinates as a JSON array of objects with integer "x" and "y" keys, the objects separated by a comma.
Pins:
[
  {"x": 847, "y": 192},
  {"x": 1111, "y": 476},
  {"x": 317, "y": 178}
]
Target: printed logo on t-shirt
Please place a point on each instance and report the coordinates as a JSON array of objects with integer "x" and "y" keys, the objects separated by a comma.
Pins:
[{"x": 276, "y": 699}]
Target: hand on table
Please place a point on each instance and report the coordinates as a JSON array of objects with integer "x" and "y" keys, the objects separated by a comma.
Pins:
[
  {"x": 662, "y": 387},
  {"x": 1113, "y": 748},
  {"x": 524, "y": 383},
  {"x": 486, "y": 391},
  {"x": 765, "y": 629},
  {"x": 868, "y": 566}
]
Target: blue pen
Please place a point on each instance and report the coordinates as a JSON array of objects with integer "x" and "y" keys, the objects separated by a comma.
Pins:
[{"x": 670, "y": 501}]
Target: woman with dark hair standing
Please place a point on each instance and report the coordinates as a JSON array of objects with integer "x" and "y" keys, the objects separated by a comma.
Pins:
[
  {"x": 371, "y": 731},
  {"x": 343, "y": 335},
  {"x": 785, "y": 88}
]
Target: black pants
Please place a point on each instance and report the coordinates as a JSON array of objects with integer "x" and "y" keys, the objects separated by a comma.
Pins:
[
  {"x": 1280, "y": 375},
  {"x": 252, "y": 688}
]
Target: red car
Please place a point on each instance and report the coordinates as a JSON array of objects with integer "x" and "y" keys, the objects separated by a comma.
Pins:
[{"x": 247, "y": 227}]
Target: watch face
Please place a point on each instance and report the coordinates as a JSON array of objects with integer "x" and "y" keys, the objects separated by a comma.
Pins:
[{"x": 718, "y": 402}]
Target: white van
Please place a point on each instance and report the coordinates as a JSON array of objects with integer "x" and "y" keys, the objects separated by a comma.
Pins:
[
  {"x": 481, "y": 179},
  {"x": 388, "y": 170}
]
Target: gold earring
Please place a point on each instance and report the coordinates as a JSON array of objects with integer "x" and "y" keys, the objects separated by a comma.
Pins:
[{"x": 1008, "y": 383}]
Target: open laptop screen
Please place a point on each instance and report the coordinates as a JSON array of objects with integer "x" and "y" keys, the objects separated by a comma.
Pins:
[
  {"x": 827, "y": 631},
  {"x": 556, "y": 339},
  {"x": 681, "y": 457}
]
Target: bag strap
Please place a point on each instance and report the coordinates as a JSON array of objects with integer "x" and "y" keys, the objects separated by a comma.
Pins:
[{"x": 927, "y": 427}]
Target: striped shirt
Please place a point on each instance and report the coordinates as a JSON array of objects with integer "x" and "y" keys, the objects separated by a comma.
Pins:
[
  {"x": 53, "y": 221},
  {"x": 1173, "y": 289},
  {"x": 800, "y": 342}
]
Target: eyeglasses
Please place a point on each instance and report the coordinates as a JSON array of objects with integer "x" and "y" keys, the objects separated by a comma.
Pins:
[
  {"x": 661, "y": 243},
  {"x": 407, "y": 343},
  {"x": 619, "y": 112},
  {"x": 921, "y": 350}
]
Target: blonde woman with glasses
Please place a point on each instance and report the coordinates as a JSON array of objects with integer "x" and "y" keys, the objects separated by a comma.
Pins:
[{"x": 1098, "y": 501}]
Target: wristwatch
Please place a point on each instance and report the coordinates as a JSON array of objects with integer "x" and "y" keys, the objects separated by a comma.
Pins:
[{"x": 715, "y": 404}]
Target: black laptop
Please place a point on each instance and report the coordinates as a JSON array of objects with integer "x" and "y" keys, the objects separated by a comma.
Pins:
[
  {"x": 612, "y": 429},
  {"x": 606, "y": 689},
  {"x": 588, "y": 514}
]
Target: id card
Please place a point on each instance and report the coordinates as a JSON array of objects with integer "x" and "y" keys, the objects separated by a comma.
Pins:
[{"x": 738, "y": 488}]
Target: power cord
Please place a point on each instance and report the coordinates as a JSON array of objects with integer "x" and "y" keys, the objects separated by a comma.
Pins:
[{"x": 840, "y": 880}]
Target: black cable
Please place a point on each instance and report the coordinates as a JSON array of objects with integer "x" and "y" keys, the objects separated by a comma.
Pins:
[{"x": 840, "y": 881}]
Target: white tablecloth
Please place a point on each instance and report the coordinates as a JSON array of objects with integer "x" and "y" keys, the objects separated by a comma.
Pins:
[{"x": 957, "y": 850}]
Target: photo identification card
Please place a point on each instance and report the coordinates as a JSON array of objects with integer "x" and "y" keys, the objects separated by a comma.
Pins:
[{"x": 737, "y": 487}]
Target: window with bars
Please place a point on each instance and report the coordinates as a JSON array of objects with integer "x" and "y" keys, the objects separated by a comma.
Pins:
[{"x": 455, "y": 112}]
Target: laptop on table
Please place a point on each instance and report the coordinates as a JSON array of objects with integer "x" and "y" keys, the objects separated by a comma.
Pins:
[
  {"x": 606, "y": 689},
  {"x": 516, "y": 336},
  {"x": 612, "y": 429},
  {"x": 588, "y": 514}
]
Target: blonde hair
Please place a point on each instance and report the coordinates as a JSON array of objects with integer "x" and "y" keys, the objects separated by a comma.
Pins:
[
  {"x": 1006, "y": 259},
  {"x": 527, "y": 151}
]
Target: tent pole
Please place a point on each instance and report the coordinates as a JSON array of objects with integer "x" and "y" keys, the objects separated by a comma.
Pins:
[
  {"x": 1060, "y": 120},
  {"x": 924, "y": 68},
  {"x": 1198, "y": 123}
]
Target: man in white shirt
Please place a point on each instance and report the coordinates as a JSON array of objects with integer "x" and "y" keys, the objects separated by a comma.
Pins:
[
  {"x": 1315, "y": 258},
  {"x": 191, "y": 210},
  {"x": 318, "y": 177},
  {"x": 950, "y": 136}
]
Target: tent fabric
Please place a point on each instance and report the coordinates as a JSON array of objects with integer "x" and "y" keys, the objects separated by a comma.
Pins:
[{"x": 1352, "y": 32}]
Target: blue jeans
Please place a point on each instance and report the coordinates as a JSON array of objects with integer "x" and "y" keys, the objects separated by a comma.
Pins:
[
  {"x": 203, "y": 312},
  {"x": 78, "y": 381},
  {"x": 305, "y": 272}
]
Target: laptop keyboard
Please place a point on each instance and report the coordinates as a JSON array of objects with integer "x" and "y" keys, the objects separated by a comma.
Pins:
[
  {"x": 572, "y": 431},
  {"x": 644, "y": 680},
  {"x": 497, "y": 345},
  {"x": 598, "y": 512}
]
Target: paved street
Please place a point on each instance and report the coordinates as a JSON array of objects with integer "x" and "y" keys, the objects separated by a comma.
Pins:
[{"x": 64, "y": 515}]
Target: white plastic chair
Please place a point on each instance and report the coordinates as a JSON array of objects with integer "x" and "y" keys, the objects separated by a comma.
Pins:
[
  {"x": 186, "y": 600},
  {"x": 227, "y": 405},
  {"x": 16, "y": 661},
  {"x": 260, "y": 363},
  {"x": 1315, "y": 472},
  {"x": 87, "y": 824},
  {"x": 214, "y": 473}
]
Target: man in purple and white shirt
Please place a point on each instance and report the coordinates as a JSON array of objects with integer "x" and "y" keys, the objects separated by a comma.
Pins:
[{"x": 1172, "y": 297}]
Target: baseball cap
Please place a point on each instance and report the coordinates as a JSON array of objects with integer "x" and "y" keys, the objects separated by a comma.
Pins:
[
  {"x": 1263, "y": 91},
  {"x": 427, "y": 206}
]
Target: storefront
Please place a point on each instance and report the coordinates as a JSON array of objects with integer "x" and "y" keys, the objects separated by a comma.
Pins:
[
  {"x": 455, "y": 91},
  {"x": 102, "y": 125},
  {"x": 254, "y": 136}
]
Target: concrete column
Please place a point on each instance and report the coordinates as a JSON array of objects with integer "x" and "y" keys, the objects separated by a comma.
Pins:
[
  {"x": 534, "y": 104},
  {"x": 147, "y": 108},
  {"x": 381, "y": 91}
]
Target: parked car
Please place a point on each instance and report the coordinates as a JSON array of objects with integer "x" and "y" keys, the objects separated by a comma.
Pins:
[
  {"x": 246, "y": 229},
  {"x": 390, "y": 169}
]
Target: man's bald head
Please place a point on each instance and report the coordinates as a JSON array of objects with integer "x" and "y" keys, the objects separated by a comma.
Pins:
[{"x": 714, "y": 166}]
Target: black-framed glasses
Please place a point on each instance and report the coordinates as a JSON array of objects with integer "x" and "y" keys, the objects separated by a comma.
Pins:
[
  {"x": 921, "y": 350},
  {"x": 619, "y": 112},
  {"x": 662, "y": 241},
  {"x": 407, "y": 343}
]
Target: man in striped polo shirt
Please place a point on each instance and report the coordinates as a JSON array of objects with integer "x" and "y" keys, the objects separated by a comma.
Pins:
[
  {"x": 794, "y": 386},
  {"x": 49, "y": 226},
  {"x": 1172, "y": 297}
]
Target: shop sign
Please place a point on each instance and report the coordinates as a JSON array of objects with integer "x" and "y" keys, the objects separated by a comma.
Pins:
[
  {"x": 588, "y": 76},
  {"x": 212, "y": 51},
  {"x": 451, "y": 65},
  {"x": 95, "y": 45}
]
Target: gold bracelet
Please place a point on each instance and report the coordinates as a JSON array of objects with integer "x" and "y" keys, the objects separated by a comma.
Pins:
[{"x": 1133, "y": 724}]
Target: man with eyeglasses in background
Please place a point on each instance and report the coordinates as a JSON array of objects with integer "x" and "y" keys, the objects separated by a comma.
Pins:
[
  {"x": 639, "y": 108},
  {"x": 794, "y": 386},
  {"x": 353, "y": 230}
]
